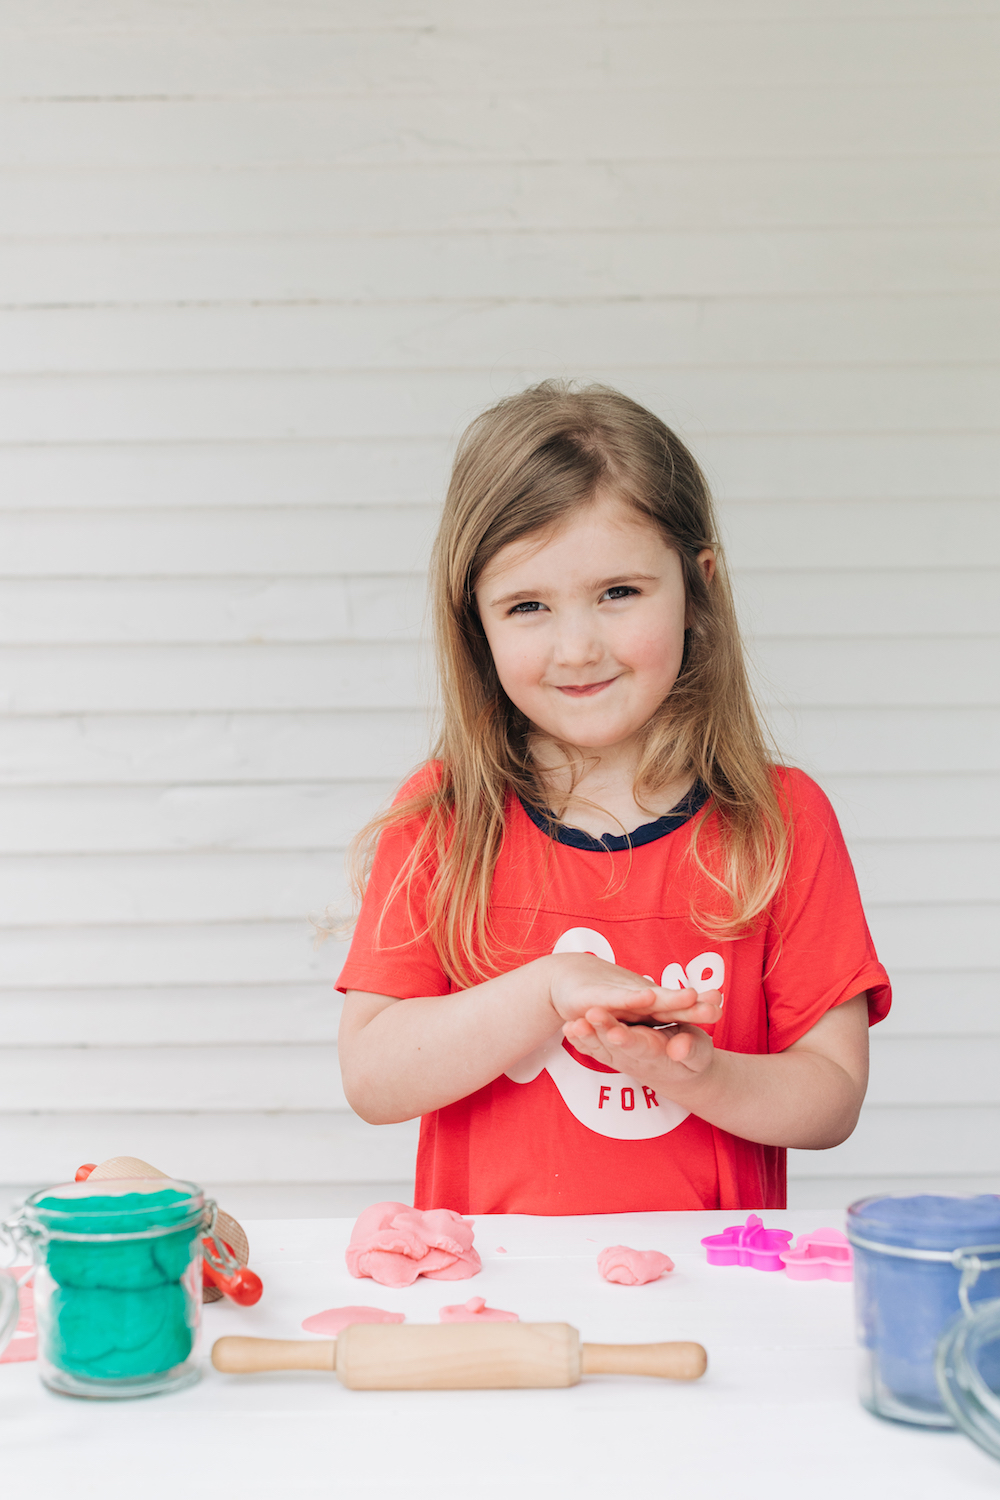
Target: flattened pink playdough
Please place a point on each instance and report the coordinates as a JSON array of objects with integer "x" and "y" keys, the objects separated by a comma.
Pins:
[
  {"x": 394, "y": 1244},
  {"x": 476, "y": 1311},
  {"x": 632, "y": 1267},
  {"x": 335, "y": 1319}
]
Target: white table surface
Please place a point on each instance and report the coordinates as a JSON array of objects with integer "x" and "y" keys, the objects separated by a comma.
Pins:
[{"x": 776, "y": 1415}]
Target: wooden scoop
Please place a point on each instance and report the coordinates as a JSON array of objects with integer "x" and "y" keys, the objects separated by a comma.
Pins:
[{"x": 458, "y": 1356}]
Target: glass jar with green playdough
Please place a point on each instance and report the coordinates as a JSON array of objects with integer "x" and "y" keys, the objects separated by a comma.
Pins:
[{"x": 117, "y": 1283}]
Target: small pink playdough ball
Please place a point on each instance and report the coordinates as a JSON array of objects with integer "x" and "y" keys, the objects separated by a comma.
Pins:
[{"x": 632, "y": 1267}]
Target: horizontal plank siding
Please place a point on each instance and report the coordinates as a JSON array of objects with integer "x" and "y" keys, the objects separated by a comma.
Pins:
[
  {"x": 944, "y": 471},
  {"x": 169, "y": 1016},
  {"x": 238, "y": 17},
  {"x": 951, "y": 329},
  {"x": 221, "y": 1079},
  {"x": 305, "y": 816},
  {"x": 349, "y": 539},
  {"x": 924, "y": 821},
  {"x": 102, "y": 611},
  {"x": 245, "y": 407},
  {"x": 348, "y": 59},
  {"x": 151, "y": 611},
  {"x": 229, "y": 884},
  {"x": 723, "y": 262},
  {"x": 803, "y": 119},
  {"x": 259, "y": 1146},
  {"x": 214, "y": 748},
  {"x": 932, "y": 1139},
  {"x": 489, "y": 196},
  {"x": 260, "y": 264},
  {"x": 130, "y": 956},
  {"x": 888, "y": 740}
]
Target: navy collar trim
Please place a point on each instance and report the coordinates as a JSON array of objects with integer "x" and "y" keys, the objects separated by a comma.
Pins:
[{"x": 647, "y": 833}]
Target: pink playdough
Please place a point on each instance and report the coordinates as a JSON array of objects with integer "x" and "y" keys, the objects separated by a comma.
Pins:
[
  {"x": 632, "y": 1267},
  {"x": 336, "y": 1318},
  {"x": 476, "y": 1311},
  {"x": 823, "y": 1255},
  {"x": 394, "y": 1244},
  {"x": 24, "y": 1343}
]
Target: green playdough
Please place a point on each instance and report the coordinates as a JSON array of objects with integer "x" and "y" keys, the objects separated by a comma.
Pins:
[{"x": 119, "y": 1309}]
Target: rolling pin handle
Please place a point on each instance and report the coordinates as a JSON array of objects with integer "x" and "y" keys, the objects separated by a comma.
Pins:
[
  {"x": 677, "y": 1361},
  {"x": 234, "y": 1355}
]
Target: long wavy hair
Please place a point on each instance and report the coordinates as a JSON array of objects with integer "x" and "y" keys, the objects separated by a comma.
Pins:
[{"x": 522, "y": 467}]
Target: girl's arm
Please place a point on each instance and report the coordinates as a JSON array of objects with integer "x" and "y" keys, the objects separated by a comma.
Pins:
[
  {"x": 808, "y": 1096},
  {"x": 403, "y": 1058}
]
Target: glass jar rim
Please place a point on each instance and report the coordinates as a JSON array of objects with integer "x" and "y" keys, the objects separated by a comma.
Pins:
[
  {"x": 922, "y": 1236},
  {"x": 55, "y": 1223}
]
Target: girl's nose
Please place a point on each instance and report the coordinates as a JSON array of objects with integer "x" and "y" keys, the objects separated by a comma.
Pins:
[{"x": 577, "y": 643}]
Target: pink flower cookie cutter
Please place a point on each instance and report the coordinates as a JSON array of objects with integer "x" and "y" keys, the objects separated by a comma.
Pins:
[
  {"x": 824, "y": 1254},
  {"x": 748, "y": 1244}
]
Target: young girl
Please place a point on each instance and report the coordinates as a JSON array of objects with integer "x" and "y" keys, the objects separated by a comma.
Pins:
[{"x": 611, "y": 953}]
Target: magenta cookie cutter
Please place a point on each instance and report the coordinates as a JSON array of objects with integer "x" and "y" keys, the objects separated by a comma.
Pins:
[
  {"x": 748, "y": 1244},
  {"x": 823, "y": 1255}
]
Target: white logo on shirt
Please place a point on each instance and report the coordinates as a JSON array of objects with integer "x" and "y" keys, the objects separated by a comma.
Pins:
[{"x": 613, "y": 1104}]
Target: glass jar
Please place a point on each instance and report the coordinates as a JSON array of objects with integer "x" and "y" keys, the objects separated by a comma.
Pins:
[
  {"x": 9, "y": 1308},
  {"x": 908, "y": 1270},
  {"x": 117, "y": 1283}
]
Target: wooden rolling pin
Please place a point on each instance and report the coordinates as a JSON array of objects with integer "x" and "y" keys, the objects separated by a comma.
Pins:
[{"x": 458, "y": 1356}]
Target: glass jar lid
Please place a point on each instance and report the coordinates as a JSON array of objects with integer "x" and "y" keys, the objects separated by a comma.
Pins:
[{"x": 967, "y": 1367}]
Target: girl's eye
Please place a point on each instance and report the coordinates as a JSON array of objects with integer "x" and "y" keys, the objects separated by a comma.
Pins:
[
  {"x": 528, "y": 607},
  {"x": 620, "y": 591}
]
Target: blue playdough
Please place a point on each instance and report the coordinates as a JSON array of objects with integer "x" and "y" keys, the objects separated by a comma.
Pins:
[
  {"x": 119, "y": 1309},
  {"x": 905, "y": 1305}
]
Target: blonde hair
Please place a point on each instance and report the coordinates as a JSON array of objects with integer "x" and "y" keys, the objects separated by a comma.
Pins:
[{"x": 521, "y": 468}]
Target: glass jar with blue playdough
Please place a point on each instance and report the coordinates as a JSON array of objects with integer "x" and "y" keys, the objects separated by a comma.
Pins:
[
  {"x": 922, "y": 1266},
  {"x": 117, "y": 1283}
]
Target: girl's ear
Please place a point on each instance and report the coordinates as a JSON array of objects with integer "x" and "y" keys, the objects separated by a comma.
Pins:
[{"x": 706, "y": 562}]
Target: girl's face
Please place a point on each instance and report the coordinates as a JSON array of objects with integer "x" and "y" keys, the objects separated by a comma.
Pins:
[{"x": 586, "y": 623}]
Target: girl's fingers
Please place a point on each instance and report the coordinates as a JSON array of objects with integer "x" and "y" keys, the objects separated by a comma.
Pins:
[
  {"x": 635, "y": 1040},
  {"x": 615, "y": 1042},
  {"x": 679, "y": 1046},
  {"x": 636, "y": 1002},
  {"x": 583, "y": 1038},
  {"x": 685, "y": 1007},
  {"x": 704, "y": 1008},
  {"x": 699, "y": 1010}
]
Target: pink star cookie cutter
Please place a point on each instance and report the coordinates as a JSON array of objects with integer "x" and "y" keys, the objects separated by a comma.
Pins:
[
  {"x": 748, "y": 1244},
  {"x": 823, "y": 1255}
]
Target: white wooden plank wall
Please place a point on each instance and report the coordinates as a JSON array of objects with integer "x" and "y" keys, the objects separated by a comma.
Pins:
[{"x": 260, "y": 261}]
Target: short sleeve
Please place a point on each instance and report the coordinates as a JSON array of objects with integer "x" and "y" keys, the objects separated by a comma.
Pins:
[
  {"x": 399, "y": 958},
  {"x": 819, "y": 951}
]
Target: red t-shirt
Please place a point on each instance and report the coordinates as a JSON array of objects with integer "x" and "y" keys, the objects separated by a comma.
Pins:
[{"x": 561, "y": 1134}]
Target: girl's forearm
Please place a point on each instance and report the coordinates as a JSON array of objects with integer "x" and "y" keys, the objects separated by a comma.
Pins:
[
  {"x": 415, "y": 1056},
  {"x": 800, "y": 1099}
]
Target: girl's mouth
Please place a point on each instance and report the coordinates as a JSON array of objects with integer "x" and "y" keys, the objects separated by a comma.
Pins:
[{"x": 584, "y": 689}]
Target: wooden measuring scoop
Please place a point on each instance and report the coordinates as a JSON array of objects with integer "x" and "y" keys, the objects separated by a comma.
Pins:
[{"x": 458, "y": 1356}]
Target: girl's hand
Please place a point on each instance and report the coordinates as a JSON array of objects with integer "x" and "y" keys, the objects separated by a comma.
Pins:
[
  {"x": 670, "y": 1058},
  {"x": 581, "y": 982}
]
